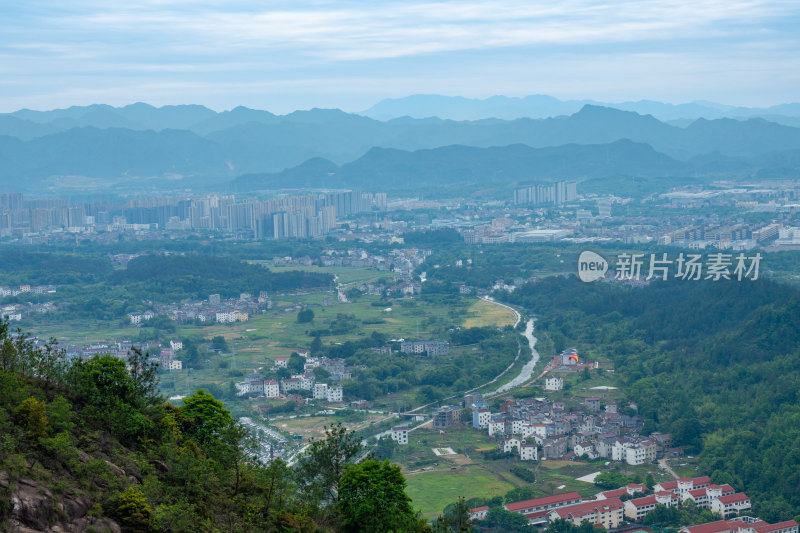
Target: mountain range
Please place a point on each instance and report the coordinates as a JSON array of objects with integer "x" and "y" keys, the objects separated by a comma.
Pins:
[
  {"x": 195, "y": 146},
  {"x": 543, "y": 106}
]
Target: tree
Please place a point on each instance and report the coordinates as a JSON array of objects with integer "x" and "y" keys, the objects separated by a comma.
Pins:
[
  {"x": 31, "y": 413},
  {"x": 305, "y": 316},
  {"x": 143, "y": 372},
  {"x": 316, "y": 345},
  {"x": 218, "y": 342},
  {"x": 507, "y": 521},
  {"x": 650, "y": 481},
  {"x": 612, "y": 480},
  {"x": 133, "y": 510},
  {"x": 454, "y": 518},
  {"x": 385, "y": 448},
  {"x": 296, "y": 363},
  {"x": 320, "y": 469},
  {"x": 519, "y": 494},
  {"x": 372, "y": 499},
  {"x": 204, "y": 417}
]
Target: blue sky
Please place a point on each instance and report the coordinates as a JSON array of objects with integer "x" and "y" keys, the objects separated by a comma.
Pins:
[{"x": 282, "y": 56}]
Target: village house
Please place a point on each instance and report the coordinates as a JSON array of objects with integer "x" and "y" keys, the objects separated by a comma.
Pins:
[
  {"x": 703, "y": 497},
  {"x": 554, "y": 383},
  {"x": 608, "y": 513},
  {"x": 730, "y": 505},
  {"x": 334, "y": 394},
  {"x": 636, "y": 508},
  {"x": 479, "y": 513},
  {"x": 271, "y": 388},
  {"x": 400, "y": 434}
]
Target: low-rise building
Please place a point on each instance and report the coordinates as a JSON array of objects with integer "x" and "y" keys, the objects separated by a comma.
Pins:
[
  {"x": 320, "y": 391},
  {"x": 546, "y": 503},
  {"x": 446, "y": 416},
  {"x": 335, "y": 394},
  {"x": 743, "y": 524},
  {"x": 554, "y": 383},
  {"x": 528, "y": 452},
  {"x": 731, "y": 504},
  {"x": 400, "y": 434},
  {"x": 479, "y": 513},
  {"x": 608, "y": 513},
  {"x": 481, "y": 417},
  {"x": 636, "y": 508},
  {"x": 271, "y": 388}
]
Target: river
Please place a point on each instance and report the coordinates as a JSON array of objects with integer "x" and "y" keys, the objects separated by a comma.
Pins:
[{"x": 527, "y": 370}]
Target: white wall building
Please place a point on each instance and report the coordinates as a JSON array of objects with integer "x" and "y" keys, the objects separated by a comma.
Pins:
[
  {"x": 320, "y": 391},
  {"x": 335, "y": 394},
  {"x": 554, "y": 383},
  {"x": 528, "y": 452},
  {"x": 400, "y": 434},
  {"x": 271, "y": 388}
]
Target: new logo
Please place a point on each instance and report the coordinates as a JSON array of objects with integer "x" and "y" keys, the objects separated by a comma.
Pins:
[{"x": 591, "y": 266}]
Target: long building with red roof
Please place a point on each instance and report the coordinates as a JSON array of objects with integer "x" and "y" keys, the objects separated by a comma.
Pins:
[
  {"x": 744, "y": 524},
  {"x": 544, "y": 504}
]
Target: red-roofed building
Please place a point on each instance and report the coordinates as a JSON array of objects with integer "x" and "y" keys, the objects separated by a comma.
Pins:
[
  {"x": 790, "y": 526},
  {"x": 636, "y": 508},
  {"x": 683, "y": 486},
  {"x": 731, "y": 504},
  {"x": 607, "y": 513},
  {"x": 478, "y": 513},
  {"x": 744, "y": 524},
  {"x": 703, "y": 497},
  {"x": 544, "y": 504},
  {"x": 629, "y": 489}
]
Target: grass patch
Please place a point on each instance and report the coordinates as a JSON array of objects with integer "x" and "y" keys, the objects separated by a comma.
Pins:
[
  {"x": 432, "y": 491},
  {"x": 483, "y": 313}
]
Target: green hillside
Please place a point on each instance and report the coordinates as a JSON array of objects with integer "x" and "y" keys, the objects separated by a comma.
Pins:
[
  {"x": 715, "y": 364},
  {"x": 88, "y": 445}
]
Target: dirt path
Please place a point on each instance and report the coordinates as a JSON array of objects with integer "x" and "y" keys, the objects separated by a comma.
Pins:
[{"x": 663, "y": 462}]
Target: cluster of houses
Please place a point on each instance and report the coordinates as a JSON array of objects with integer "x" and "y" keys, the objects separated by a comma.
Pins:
[
  {"x": 610, "y": 511},
  {"x": 15, "y": 312},
  {"x": 255, "y": 384},
  {"x": 215, "y": 309},
  {"x": 400, "y": 261},
  {"x": 27, "y": 289},
  {"x": 120, "y": 349},
  {"x": 537, "y": 428}
]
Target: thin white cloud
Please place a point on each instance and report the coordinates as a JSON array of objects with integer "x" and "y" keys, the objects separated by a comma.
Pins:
[{"x": 162, "y": 50}]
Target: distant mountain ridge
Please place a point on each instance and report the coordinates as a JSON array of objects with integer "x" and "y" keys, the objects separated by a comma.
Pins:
[
  {"x": 196, "y": 146},
  {"x": 392, "y": 169},
  {"x": 543, "y": 106}
]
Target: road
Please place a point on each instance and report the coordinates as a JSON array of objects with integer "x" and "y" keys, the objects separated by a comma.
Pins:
[{"x": 663, "y": 462}]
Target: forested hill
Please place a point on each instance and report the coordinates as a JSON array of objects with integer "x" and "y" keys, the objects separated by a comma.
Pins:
[
  {"x": 717, "y": 364},
  {"x": 87, "y": 445}
]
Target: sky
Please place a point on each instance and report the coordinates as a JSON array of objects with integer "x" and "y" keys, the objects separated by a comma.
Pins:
[{"x": 282, "y": 56}]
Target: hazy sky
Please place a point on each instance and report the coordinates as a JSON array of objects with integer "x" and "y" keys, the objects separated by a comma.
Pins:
[{"x": 283, "y": 56}]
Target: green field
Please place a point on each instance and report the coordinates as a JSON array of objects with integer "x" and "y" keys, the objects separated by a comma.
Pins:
[
  {"x": 483, "y": 313},
  {"x": 431, "y": 491},
  {"x": 344, "y": 275}
]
